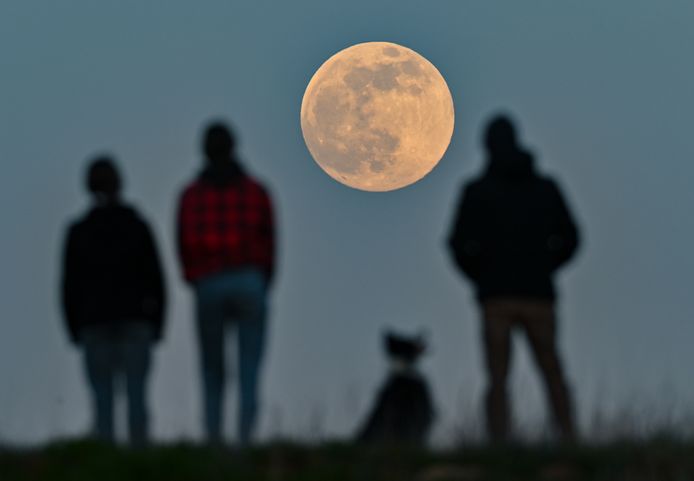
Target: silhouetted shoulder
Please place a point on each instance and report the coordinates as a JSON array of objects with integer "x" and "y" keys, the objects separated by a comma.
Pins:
[
  {"x": 472, "y": 187},
  {"x": 141, "y": 221},
  {"x": 473, "y": 183},
  {"x": 190, "y": 188},
  {"x": 257, "y": 185},
  {"x": 133, "y": 213},
  {"x": 549, "y": 184},
  {"x": 74, "y": 225},
  {"x": 257, "y": 190},
  {"x": 247, "y": 182},
  {"x": 119, "y": 213}
]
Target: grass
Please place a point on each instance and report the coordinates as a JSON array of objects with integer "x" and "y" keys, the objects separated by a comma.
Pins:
[{"x": 657, "y": 460}]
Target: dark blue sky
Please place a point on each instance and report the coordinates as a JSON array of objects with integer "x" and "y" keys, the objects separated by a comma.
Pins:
[{"x": 603, "y": 91}]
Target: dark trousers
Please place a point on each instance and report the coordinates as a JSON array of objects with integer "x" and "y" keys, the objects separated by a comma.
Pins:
[
  {"x": 112, "y": 353},
  {"x": 536, "y": 318}
]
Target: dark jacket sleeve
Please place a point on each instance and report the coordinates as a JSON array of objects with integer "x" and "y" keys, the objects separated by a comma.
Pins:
[
  {"x": 465, "y": 240},
  {"x": 70, "y": 286},
  {"x": 180, "y": 249},
  {"x": 564, "y": 238},
  {"x": 154, "y": 303}
]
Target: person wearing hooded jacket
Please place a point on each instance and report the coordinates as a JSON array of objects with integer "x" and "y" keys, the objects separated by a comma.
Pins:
[
  {"x": 226, "y": 246},
  {"x": 113, "y": 298},
  {"x": 512, "y": 231}
]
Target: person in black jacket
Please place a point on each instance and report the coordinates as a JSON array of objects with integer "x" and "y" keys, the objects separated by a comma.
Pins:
[
  {"x": 113, "y": 299},
  {"x": 511, "y": 233}
]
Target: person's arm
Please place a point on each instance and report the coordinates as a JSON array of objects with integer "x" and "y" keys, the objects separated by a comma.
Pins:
[
  {"x": 155, "y": 300},
  {"x": 269, "y": 233},
  {"x": 70, "y": 286},
  {"x": 464, "y": 241},
  {"x": 564, "y": 238},
  {"x": 180, "y": 231}
]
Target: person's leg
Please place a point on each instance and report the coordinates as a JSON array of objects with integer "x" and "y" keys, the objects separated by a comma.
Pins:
[
  {"x": 251, "y": 349},
  {"x": 210, "y": 326},
  {"x": 100, "y": 370},
  {"x": 136, "y": 347},
  {"x": 251, "y": 323},
  {"x": 540, "y": 326},
  {"x": 498, "y": 322}
]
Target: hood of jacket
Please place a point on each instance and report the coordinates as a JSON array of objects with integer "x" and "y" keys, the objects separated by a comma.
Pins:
[
  {"x": 222, "y": 173},
  {"x": 513, "y": 164},
  {"x": 110, "y": 217}
]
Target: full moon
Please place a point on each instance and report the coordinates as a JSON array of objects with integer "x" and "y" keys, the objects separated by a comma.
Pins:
[{"x": 377, "y": 116}]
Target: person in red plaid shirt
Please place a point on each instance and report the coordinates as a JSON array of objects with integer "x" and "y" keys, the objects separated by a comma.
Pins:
[{"x": 226, "y": 245}]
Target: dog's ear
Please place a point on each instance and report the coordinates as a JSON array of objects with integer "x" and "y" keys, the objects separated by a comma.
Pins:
[
  {"x": 388, "y": 334},
  {"x": 422, "y": 340},
  {"x": 387, "y": 339}
]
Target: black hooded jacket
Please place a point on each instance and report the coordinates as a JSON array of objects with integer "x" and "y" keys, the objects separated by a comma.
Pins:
[
  {"x": 111, "y": 271},
  {"x": 512, "y": 230}
]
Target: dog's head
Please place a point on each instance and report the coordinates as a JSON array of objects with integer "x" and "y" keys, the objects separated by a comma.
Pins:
[{"x": 402, "y": 347}]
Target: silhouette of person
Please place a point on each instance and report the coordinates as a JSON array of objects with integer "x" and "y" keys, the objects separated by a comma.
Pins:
[
  {"x": 403, "y": 412},
  {"x": 113, "y": 299},
  {"x": 226, "y": 244},
  {"x": 511, "y": 233}
]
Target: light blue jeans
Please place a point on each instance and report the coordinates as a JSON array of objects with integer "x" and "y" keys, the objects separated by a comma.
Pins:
[
  {"x": 231, "y": 299},
  {"x": 113, "y": 351}
]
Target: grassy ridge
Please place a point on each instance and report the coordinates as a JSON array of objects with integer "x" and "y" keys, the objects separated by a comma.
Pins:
[{"x": 77, "y": 461}]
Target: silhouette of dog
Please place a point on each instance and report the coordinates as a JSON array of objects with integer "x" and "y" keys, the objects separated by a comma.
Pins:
[{"x": 403, "y": 412}]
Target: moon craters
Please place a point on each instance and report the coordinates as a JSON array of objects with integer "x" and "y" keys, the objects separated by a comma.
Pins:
[{"x": 377, "y": 116}]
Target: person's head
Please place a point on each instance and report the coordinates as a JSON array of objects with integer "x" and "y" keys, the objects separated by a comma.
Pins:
[
  {"x": 103, "y": 180},
  {"x": 500, "y": 135},
  {"x": 218, "y": 142}
]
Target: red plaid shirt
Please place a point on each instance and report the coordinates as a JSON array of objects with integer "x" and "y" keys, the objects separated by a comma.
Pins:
[{"x": 225, "y": 227}]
